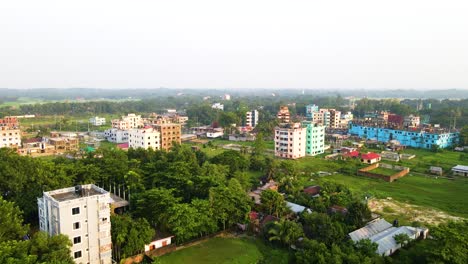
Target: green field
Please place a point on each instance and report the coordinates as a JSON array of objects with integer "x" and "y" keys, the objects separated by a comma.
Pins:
[
  {"x": 383, "y": 171},
  {"x": 226, "y": 250},
  {"x": 443, "y": 194}
]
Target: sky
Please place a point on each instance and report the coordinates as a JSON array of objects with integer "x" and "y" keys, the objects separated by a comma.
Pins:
[{"x": 329, "y": 44}]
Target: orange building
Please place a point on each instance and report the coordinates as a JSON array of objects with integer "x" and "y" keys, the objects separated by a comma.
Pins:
[{"x": 169, "y": 133}]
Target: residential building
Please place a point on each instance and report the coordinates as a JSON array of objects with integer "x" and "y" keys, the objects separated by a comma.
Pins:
[
  {"x": 310, "y": 110},
  {"x": 417, "y": 138},
  {"x": 382, "y": 233},
  {"x": 370, "y": 158},
  {"x": 159, "y": 241},
  {"x": 251, "y": 118},
  {"x": 97, "y": 121},
  {"x": 290, "y": 141},
  {"x": 145, "y": 138},
  {"x": 226, "y": 97},
  {"x": 63, "y": 144},
  {"x": 283, "y": 114},
  {"x": 345, "y": 119},
  {"x": 411, "y": 121},
  {"x": 115, "y": 135},
  {"x": 315, "y": 138},
  {"x": 128, "y": 122},
  {"x": 170, "y": 134},
  {"x": 11, "y": 122},
  {"x": 218, "y": 106},
  {"x": 460, "y": 170},
  {"x": 10, "y": 137},
  {"x": 83, "y": 214}
]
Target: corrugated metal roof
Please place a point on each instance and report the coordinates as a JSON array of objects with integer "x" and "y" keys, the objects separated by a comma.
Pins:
[
  {"x": 386, "y": 240},
  {"x": 296, "y": 208},
  {"x": 460, "y": 168},
  {"x": 370, "y": 229}
]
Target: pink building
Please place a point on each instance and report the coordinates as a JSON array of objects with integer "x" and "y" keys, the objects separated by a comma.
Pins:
[{"x": 290, "y": 141}]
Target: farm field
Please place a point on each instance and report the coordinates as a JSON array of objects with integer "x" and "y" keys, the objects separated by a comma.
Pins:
[{"x": 226, "y": 251}]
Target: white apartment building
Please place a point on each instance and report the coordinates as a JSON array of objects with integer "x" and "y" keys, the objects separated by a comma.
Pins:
[
  {"x": 251, "y": 118},
  {"x": 83, "y": 214},
  {"x": 10, "y": 138},
  {"x": 144, "y": 138},
  {"x": 411, "y": 121},
  {"x": 327, "y": 117},
  {"x": 97, "y": 121},
  {"x": 290, "y": 141},
  {"x": 218, "y": 106},
  {"x": 128, "y": 122},
  {"x": 115, "y": 135}
]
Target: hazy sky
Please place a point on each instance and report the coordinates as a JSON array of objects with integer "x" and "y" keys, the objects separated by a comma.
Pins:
[{"x": 234, "y": 44}]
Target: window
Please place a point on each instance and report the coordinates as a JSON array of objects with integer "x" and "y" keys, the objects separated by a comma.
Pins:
[
  {"x": 75, "y": 211},
  {"x": 77, "y": 240},
  {"x": 77, "y": 254},
  {"x": 76, "y": 225}
]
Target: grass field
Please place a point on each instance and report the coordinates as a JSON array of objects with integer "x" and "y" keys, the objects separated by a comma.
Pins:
[
  {"x": 443, "y": 194},
  {"x": 226, "y": 251},
  {"x": 383, "y": 171}
]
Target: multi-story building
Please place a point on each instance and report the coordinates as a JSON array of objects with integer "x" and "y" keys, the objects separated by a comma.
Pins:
[
  {"x": 83, "y": 214},
  {"x": 310, "y": 110},
  {"x": 411, "y": 121},
  {"x": 10, "y": 122},
  {"x": 345, "y": 119},
  {"x": 290, "y": 141},
  {"x": 97, "y": 121},
  {"x": 283, "y": 114},
  {"x": 417, "y": 138},
  {"x": 315, "y": 138},
  {"x": 251, "y": 118},
  {"x": 128, "y": 122},
  {"x": 10, "y": 138},
  {"x": 146, "y": 138},
  {"x": 115, "y": 135},
  {"x": 169, "y": 133}
]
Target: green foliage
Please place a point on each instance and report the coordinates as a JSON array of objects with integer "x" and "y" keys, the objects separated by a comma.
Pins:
[
  {"x": 286, "y": 232},
  {"x": 129, "y": 236},
  {"x": 154, "y": 205},
  {"x": 235, "y": 160},
  {"x": 11, "y": 227},
  {"x": 41, "y": 248},
  {"x": 402, "y": 239},
  {"x": 273, "y": 203}
]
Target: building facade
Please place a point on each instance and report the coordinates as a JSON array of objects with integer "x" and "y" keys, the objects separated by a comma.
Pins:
[
  {"x": 115, "y": 135},
  {"x": 310, "y": 110},
  {"x": 416, "y": 138},
  {"x": 145, "y": 138},
  {"x": 128, "y": 122},
  {"x": 315, "y": 138},
  {"x": 97, "y": 121},
  {"x": 83, "y": 214},
  {"x": 283, "y": 115},
  {"x": 290, "y": 141},
  {"x": 218, "y": 106},
  {"x": 169, "y": 134},
  {"x": 10, "y": 138},
  {"x": 251, "y": 118}
]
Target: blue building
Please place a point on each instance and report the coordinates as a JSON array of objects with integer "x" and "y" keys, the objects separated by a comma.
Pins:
[
  {"x": 415, "y": 139},
  {"x": 310, "y": 109}
]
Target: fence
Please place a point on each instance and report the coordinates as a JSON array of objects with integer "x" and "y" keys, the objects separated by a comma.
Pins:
[{"x": 402, "y": 171}]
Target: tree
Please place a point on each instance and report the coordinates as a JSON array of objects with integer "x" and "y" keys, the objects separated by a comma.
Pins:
[
  {"x": 235, "y": 160},
  {"x": 464, "y": 136},
  {"x": 402, "y": 239},
  {"x": 285, "y": 231},
  {"x": 367, "y": 247},
  {"x": 273, "y": 202},
  {"x": 183, "y": 222},
  {"x": 51, "y": 249},
  {"x": 129, "y": 236},
  {"x": 11, "y": 227},
  {"x": 154, "y": 205}
]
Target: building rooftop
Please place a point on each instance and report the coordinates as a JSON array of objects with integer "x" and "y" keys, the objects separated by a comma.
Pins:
[
  {"x": 76, "y": 192},
  {"x": 460, "y": 168},
  {"x": 372, "y": 228}
]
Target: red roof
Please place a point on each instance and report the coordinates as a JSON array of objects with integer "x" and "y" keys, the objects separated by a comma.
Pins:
[
  {"x": 370, "y": 156},
  {"x": 123, "y": 146},
  {"x": 312, "y": 190},
  {"x": 352, "y": 154}
]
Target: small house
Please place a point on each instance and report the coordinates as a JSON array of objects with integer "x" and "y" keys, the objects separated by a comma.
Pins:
[
  {"x": 159, "y": 241},
  {"x": 370, "y": 158},
  {"x": 436, "y": 170},
  {"x": 460, "y": 170}
]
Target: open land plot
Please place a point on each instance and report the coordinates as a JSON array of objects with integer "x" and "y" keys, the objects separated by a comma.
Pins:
[
  {"x": 441, "y": 194},
  {"x": 221, "y": 250},
  {"x": 383, "y": 171}
]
